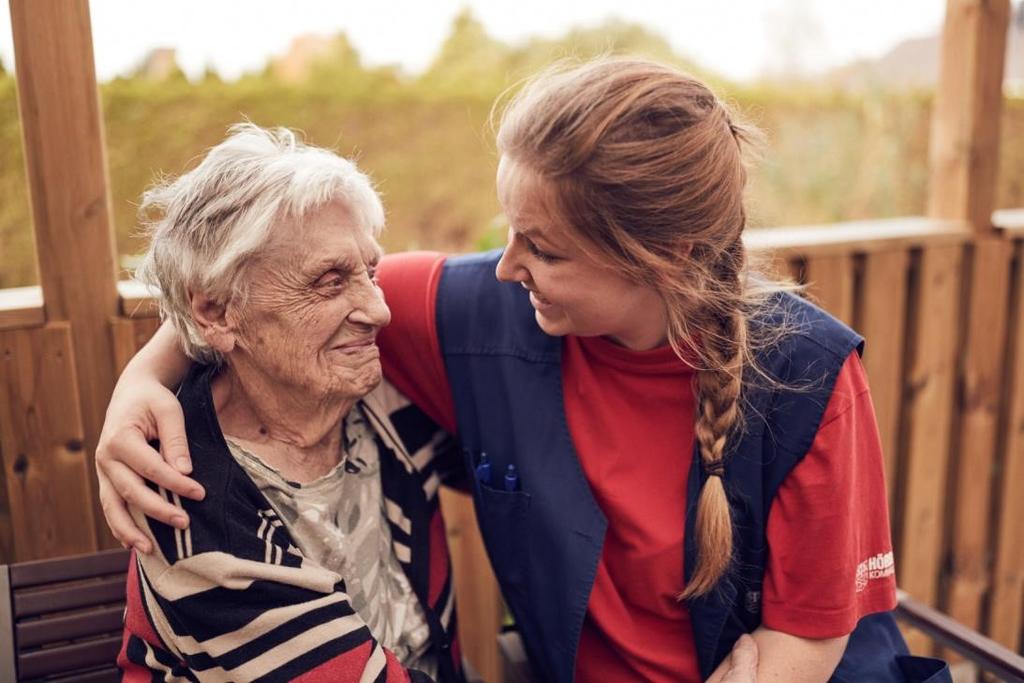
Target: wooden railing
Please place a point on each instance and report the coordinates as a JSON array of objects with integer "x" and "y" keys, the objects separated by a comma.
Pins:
[{"x": 952, "y": 432}]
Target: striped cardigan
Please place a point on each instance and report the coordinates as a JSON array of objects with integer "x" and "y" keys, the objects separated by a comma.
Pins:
[{"x": 231, "y": 598}]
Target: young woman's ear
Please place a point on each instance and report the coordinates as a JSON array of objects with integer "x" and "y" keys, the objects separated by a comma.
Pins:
[{"x": 212, "y": 319}]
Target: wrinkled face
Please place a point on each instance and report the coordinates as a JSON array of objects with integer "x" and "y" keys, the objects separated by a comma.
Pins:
[
  {"x": 313, "y": 309},
  {"x": 571, "y": 292}
]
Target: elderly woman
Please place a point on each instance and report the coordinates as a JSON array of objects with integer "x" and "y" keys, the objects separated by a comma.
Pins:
[{"x": 319, "y": 549}]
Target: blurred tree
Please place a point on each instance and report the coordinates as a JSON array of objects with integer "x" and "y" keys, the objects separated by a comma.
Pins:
[
  {"x": 469, "y": 62},
  {"x": 328, "y": 63},
  {"x": 830, "y": 155},
  {"x": 210, "y": 76},
  {"x": 160, "y": 66},
  {"x": 613, "y": 37}
]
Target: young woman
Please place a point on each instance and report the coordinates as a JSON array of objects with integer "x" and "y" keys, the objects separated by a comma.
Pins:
[{"x": 667, "y": 449}]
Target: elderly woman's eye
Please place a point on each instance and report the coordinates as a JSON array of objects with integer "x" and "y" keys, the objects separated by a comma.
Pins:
[{"x": 331, "y": 279}]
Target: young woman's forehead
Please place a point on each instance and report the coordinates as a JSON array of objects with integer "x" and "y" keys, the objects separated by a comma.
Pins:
[{"x": 527, "y": 198}]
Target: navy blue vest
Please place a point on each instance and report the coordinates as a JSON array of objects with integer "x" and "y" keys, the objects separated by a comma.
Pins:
[{"x": 544, "y": 536}]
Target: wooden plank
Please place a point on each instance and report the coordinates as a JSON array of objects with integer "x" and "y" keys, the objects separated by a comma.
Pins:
[
  {"x": 982, "y": 358},
  {"x": 775, "y": 266},
  {"x": 1009, "y": 221},
  {"x": 830, "y": 281},
  {"x": 6, "y": 525},
  {"x": 21, "y": 307},
  {"x": 935, "y": 319},
  {"x": 35, "y": 632},
  {"x": 144, "y": 329},
  {"x": 65, "y": 164},
  {"x": 1006, "y": 607},
  {"x": 964, "y": 142},
  {"x": 881, "y": 319},
  {"x": 795, "y": 270},
  {"x": 65, "y": 597},
  {"x": 128, "y": 336},
  {"x": 480, "y": 606},
  {"x": 137, "y": 300},
  {"x": 67, "y": 659},
  {"x": 74, "y": 568},
  {"x": 41, "y": 441},
  {"x": 122, "y": 336},
  {"x": 855, "y": 236}
]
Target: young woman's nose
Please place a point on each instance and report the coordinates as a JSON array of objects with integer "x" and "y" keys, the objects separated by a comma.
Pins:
[{"x": 510, "y": 268}]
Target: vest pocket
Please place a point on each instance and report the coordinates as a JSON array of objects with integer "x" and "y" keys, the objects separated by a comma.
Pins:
[{"x": 502, "y": 516}]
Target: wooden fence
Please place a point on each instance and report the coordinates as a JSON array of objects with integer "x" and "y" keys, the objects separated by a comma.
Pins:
[{"x": 940, "y": 299}]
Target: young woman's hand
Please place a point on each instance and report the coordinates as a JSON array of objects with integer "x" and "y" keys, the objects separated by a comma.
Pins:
[
  {"x": 141, "y": 411},
  {"x": 742, "y": 662}
]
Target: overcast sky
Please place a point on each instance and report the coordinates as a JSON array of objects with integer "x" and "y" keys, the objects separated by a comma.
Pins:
[{"x": 739, "y": 39}]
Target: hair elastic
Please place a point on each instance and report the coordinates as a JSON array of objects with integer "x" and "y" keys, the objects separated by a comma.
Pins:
[{"x": 714, "y": 469}]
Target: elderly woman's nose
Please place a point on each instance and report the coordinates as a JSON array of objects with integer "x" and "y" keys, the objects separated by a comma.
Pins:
[{"x": 371, "y": 309}]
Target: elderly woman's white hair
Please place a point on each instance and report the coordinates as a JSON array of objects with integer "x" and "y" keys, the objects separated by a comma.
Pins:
[{"x": 205, "y": 225}]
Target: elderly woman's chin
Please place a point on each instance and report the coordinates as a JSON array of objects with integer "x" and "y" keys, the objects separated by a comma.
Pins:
[{"x": 354, "y": 371}]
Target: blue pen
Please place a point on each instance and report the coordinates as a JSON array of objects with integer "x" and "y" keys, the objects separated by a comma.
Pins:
[
  {"x": 511, "y": 478},
  {"x": 483, "y": 470}
]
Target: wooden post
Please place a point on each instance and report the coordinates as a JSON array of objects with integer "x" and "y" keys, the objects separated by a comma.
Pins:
[
  {"x": 964, "y": 163},
  {"x": 480, "y": 607},
  {"x": 831, "y": 282},
  {"x": 930, "y": 376},
  {"x": 964, "y": 142},
  {"x": 41, "y": 439},
  {"x": 66, "y": 168}
]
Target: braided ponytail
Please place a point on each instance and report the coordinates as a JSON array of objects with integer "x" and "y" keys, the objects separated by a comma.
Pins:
[{"x": 718, "y": 387}]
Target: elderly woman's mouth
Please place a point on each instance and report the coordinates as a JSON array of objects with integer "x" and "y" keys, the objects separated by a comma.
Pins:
[{"x": 357, "y": 346}]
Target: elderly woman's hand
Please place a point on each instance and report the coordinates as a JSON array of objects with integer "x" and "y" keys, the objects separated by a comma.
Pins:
[{"x": 141, "y": 410}]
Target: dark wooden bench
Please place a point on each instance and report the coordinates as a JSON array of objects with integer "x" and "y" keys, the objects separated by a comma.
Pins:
[{"x": 61, "y": 619}]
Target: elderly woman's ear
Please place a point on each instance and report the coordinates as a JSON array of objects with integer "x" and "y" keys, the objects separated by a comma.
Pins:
[{"x": 214, "y": 322}]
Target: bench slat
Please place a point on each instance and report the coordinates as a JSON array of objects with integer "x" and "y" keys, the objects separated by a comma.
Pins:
[
  {"x": 39, "y": 572},
  {"x": 68, "y": 658},
  {"x": 57, "y": 629},
  {"x": 45, "y": 600},
  {"x": 104, "y": 675}
]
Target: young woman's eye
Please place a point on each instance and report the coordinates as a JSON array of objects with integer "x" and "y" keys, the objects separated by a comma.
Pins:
[{"x": 542, "y": 256}]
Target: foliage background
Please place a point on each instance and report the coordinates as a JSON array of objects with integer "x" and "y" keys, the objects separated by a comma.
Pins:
[{"x": 427, "y": 141}]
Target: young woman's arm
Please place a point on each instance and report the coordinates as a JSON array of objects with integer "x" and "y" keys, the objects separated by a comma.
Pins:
[
  {"x": 143, "y": 408},
  {"x": 782, "y": 657}
]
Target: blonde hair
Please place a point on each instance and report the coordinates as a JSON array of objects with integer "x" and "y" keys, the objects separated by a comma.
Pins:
[{"x": 648, "y": 169}]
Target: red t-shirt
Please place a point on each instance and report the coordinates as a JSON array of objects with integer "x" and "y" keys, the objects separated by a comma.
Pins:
[{"x": 631, "y": 418}]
